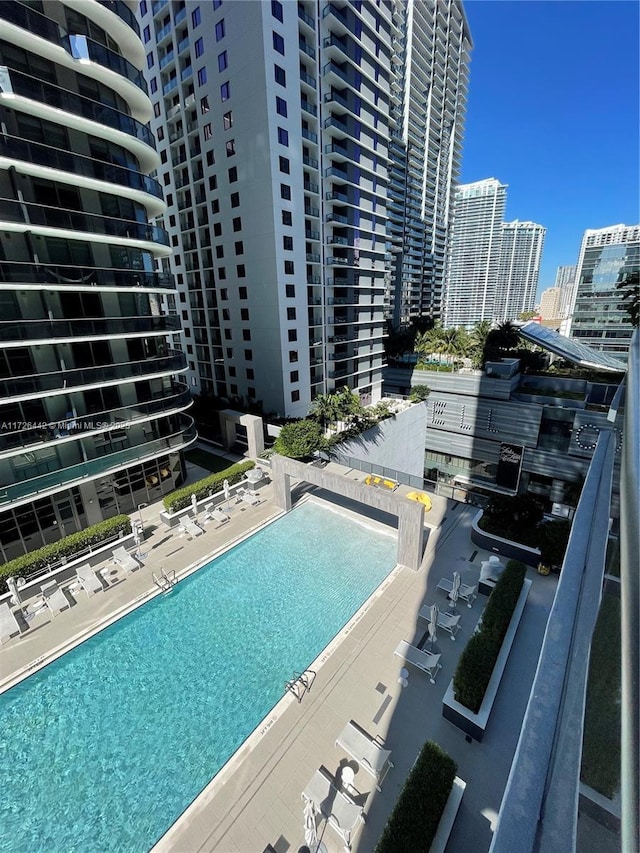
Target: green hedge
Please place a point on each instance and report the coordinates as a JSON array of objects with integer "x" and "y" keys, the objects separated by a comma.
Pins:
[
  {"x": 181, "y": 498},
  {"x": 29, "y": 564},
  {"x": 415, "y": 817},
  {"x": 479, "y": 656}
]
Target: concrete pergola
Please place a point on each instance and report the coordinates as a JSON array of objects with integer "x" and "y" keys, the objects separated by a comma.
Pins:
[{"x": 410, "y": 514}]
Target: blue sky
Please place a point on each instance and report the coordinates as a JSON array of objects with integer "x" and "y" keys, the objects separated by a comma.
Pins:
[{"x": 553, "y": 112}]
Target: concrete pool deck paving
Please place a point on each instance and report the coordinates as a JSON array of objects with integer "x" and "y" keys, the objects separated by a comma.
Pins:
[{"x": 256, "y": 798}]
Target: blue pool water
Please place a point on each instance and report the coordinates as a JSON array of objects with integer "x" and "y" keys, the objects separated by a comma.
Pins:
[{"x": 104, "y": 748}]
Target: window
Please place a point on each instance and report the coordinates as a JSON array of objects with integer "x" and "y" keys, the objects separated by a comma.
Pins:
[
  {"x": 163, "y": 156},
  {"x": 288, "y": 267},
  {"x": 242, "y": 293},
  {"x": 284, "y": 165},
  {"x": 287, "y": 218},
  {"x": 281, "y": 106},
  {"x": 230, "y": 147},
  {"x": 150, "y": 60},
  {"x": 222, "y": 275},
  {"x": 195, "y": 17},
  {"x": 235, "y": 199},
  {"x": 246, "y": 334},
  {"x": 156, "y": 110},
  {"x": 215, "y": 206},
  {"x": 249, "y": 373},
  {"x": 227, "y": 120},
  {"x": 283, "y": 136},
  {"x": 239, "y": 247},
  {"x": 293, "y": 356},
  {"x": 240, "y": 271},
  {"x": 232, "y": 371},
  {"x": 204, "y": 105},
  {"x": 248, "y": 355},
  {"x": 233, "y": 175},
  {"x": 208, "y": 131},
  {"x": 293, "y": 335},
  {"x": 295, "y": 396},
  {"x": 290, "y": 291},
  {"x": 285, "y": 191},
  {"x": 166, "y": 179},
  {"x": 226, "y": 315},
  {"x": 220, "y": 30},
  {"x": 216, "y": 4},
  {"x": 217, "y": 229},
  {"x": 224, "y": 294},
  {"x": 202, "y": 76},
  {"x": 153, "y": 85},
  {"x": 237, "y": 224},
  {"x": 244, "y": 314},
  {"x": 146, "y": 34},
  {"x": 227, "y": 335},
  {"x": 211, "y": 158},
  {"x": 160, "y": 133},
  {"x": 291, "y": 313},
  {"x": 213, "y": 182},
  {"x": 222, "y": 61},
  {"x": 278, "y": 43},
  {"x": 276, "y": 9},
  {"x": 199, "y": 46},
  {"x": 281, "y": 77},
  {"x": 294, "y": 376},
  {"x": 225, "y": 92},
  {"x": 143, "y": 7},
  {"x": 287, "y": 243}
]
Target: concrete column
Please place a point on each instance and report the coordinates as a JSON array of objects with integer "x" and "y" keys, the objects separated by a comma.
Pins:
[
  {"x": 281, "y": 483},
  {"x": 255, "y": 434},
  {"x": 410, "y": 533}
]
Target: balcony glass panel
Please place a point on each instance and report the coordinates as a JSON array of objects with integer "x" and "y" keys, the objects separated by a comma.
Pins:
[
  {"x": 81, "y": 47},
  {"x": 120, "y": 8},
  {"x": 26, "y": 330},
  {"x": 69, "y": 276}
]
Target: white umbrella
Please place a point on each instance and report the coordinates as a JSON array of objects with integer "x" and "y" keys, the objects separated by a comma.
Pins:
[
  {"x": 14, "y": 585},
  {"x": 310, "y": 826},
  {"x": 455, "y": 590},
  {"x": 194, "y": 504},
  {"x": 433, "y": 623},
  {"x": 227, "y": 492}
]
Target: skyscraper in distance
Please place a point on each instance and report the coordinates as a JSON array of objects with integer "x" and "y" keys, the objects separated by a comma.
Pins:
[
  {"x": 520, "y": 255},
  {"x": 92, "y": 418}
]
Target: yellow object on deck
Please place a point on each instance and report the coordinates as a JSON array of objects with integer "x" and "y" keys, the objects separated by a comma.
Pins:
[{"x": 421, "y": 498}]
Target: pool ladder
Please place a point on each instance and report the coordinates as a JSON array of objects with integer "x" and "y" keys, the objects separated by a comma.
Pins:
[
  {"x": 165, "y": 582},
  {"x": 300, "y": 684}
]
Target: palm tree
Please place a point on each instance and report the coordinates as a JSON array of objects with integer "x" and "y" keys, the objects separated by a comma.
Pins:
[
  {"x": 505, "y": 337},
  {"x": 631, "y": 289},
  {"x": 324, "y": 409}
]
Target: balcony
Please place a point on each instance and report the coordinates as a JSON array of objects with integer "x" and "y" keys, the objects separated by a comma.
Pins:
[
  {"x": 310, "y": 186},
  {"x": 306, "y": 18},
  {"x": 120, "y": 8},
  {"x": 313, "y": 279},
  {"x": 310, "y": 161},
  {"x": 306, "y": 78},
  {"x": 310, "y": 135},
  {"x": 66, "y": 477},
  {"x": 309, "y": 234},
  {"x": 335, "y": 98},
  {"x": 102, "y": 327},
  {"x": 81, "y": 47},
  {"x": 312, "y": 258},
  {"x": 306, "y": 48},
  {"x": 75, "y": 220},
  {"x": 64, "y": 381},
  {"x": 308, "y": 107},
  {"x": 53, "y": 277},
  {"x": 311, "y": 211}
]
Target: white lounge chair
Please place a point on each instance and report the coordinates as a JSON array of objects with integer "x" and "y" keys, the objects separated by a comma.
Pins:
[
  {"x": 422, "y": 660},
  {"x": 215, "y": 514},
  {"x": 248, "y": 497},
  {"x": 465, "y": 592},
  {"x": 123, "y": 558},
  {"x": 89, "y": 580},
  {"x": 8, "y": 623},
  {"x": 54, "y": 597},
  {"x": 369, "y": 754},
  {"x": 445, "y": 621},
  {"x": 336, "y": 806},
  {"x": 191, "y": 528}
]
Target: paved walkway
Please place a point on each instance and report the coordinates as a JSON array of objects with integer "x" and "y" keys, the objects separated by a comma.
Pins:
[{"x": 256, "y": 799}]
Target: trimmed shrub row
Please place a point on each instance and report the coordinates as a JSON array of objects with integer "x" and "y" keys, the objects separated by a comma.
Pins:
[
  {"x": 415, "y": 817},
  {"x": 41, "y": 558},
  {"x": 479, "y": 656},
  {"x": 181, "y": 498}
]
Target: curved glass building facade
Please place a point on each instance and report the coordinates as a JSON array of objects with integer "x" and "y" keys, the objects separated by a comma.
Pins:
[{"x": 92, "y": 412}]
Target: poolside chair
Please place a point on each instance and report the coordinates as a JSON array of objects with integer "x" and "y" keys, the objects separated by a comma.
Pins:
[
  {"x": 422, "y": 660},
  {"x": 216, "y": 515},
  {"x": 54, "y": 597},
  {"x": 8, "y": 623},
  {"x": 369, "y": 754},
  {"x": 341, "y": 813},
  {"x": 248, "y": 497},
  {"x": 445, "y": 621},
  {"x": 466, "y": 593},
  {"x": 123, "y": 558},
  {"x": 89, "y": 580},
  {"x": 191, "y": 528}
]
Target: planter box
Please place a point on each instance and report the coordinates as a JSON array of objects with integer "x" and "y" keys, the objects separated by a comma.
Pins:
[
  {"x": 505, "y": 547},
  {"x": 461, "y": 716},
  {"x": 448, "y": 817}
]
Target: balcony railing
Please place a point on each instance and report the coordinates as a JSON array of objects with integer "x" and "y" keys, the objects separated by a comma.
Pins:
[
  {"x": 55, "y": 275},
  {"x": 99, "y": 466},
  {"x": 306, "y": 78},
  {"x": 310, "y": 135},
  {"x": 306, "y": 48},
  {"x": 310, "y": 161},
  {"x": 59, "y": 218},
  {"x": 26, "y": 86},
  {"x": 120, "y": 8},
  {"x": 76, "y": 378},
  {"x": 45, "y": 155},
  {"x": 306, "y": 18},
  {"x": 37, "y": 330}
]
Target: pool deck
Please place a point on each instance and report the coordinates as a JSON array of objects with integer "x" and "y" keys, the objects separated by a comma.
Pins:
[{"x": 256, "y": 799}]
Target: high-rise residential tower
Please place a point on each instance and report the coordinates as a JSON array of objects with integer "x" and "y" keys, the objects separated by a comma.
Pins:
[
  {"x": 474, "y": 259},
  {"x": 428, "y": 106},
  {"x": 91, "y": 418},
  {"x": 520, "y": 256},
  {"x": 598, "y": 317},
  {"x": 275, "y": 123},
  {"x": 565, "y": 282}
]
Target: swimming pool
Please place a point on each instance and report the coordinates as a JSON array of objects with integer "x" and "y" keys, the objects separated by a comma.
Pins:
[{"x": 104, "y": 748}]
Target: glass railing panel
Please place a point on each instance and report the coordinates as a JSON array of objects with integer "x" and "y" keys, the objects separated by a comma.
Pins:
[
  {"x": 31, "y": 20},
  {"x": 120, "y": 8},
  {"x": 11, "y": 272},
  {"x": 26, "y": 330},
  {"x": 82, "y": 47}
]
